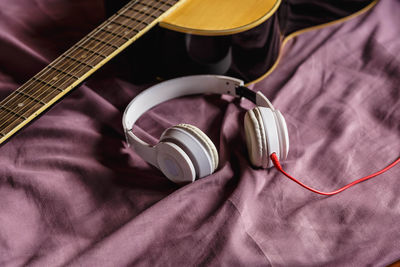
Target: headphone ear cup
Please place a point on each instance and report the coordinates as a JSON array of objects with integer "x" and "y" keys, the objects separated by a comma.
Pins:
[
  {"x": 264, "y": 134},
  {"x": 196, "y": 144},
  {"x": 255, "y": 137},
  {"x": 271, "y": 134},
  {"x": 175, "y": 163}
]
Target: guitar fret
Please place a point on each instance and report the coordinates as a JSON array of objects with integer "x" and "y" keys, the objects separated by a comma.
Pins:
[
  {"x": 148, "y": 11},
  {"x": 121, "y": 22},
  {"x": 63, "y": 72},
  {"x": 80, "y": 60},
  {"x": 89, "y": 51},
  {"x": 141, "y": 11},
  {"x": 92, "y": 45},
  {"x": 45, "y": 95},
  {"x": 77, "y": 60},
  {"x": 9, "y": 124},
  {"x": 21, "y": 107},
  {"x": 132, "y": 15},
  {"x": 103, "y": 42},
  {"x": 114, "y": 34},
  {"x": 12, "y": 112},
  {"x": 167, "y": 3},
  {"x": 70, "y": 66},
  {"x": 130, "y": 18},
  {"x": 113, "y": 21},
  {"x": 47, "y": 84},
  {"x": 164, "y": 4},
  {"x": 146, "y": 5},
  {"x": 30, "y": 97}
]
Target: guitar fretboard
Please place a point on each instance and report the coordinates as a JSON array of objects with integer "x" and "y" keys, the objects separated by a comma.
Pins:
[{"x": 78, "y": 63}]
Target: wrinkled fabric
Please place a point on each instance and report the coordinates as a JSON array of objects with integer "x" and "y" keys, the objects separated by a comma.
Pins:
[{"x": 73, "y": 194}]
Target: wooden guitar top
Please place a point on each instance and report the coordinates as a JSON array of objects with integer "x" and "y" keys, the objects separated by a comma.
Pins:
[{"x": 215, "y": 17}]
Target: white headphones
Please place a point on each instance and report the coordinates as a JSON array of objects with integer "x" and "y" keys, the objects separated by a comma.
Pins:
[{"x": 184, "y": 152}]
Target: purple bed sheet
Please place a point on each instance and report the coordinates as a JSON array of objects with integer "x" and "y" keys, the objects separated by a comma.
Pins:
[{"x": 72, "y": 193}]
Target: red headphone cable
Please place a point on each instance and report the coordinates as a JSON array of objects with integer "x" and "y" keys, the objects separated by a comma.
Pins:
[{"x": 277, "y": 165}]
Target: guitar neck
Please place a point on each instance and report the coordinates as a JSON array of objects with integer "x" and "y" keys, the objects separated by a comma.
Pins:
[{"x": 78, "y": 63}]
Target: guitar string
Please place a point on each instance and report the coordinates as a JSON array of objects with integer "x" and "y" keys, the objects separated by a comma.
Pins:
[
  {"x": 100, "y": 28},
  {"x": 41, "y": 74},
  {"x": 93, "y": 51},
  {"x": 57, "y": 60},
  {"x": 163, "y": 4}
]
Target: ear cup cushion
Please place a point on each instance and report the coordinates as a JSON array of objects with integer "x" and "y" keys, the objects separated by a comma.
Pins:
[
  {"x": 265, "y": 158},
  {"x": 196, "y": 145},
  {"x": 271, "y": 134},
  {"x": 283, "y": 134},
  {"x": 255, "y": 139},
  {"x": 204, "y": 139}
]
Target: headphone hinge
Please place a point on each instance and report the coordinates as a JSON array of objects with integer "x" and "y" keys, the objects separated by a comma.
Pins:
[{"x": 243, "y": 91}]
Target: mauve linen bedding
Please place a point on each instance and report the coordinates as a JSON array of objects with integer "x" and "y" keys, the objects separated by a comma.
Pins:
[{"x": 72, "y": 193}]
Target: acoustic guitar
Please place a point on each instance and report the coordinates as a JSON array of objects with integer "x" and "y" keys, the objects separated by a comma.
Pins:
[{"x": 231, "y": 37}]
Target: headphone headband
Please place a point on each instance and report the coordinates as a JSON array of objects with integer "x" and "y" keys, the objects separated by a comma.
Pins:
[
  {"x": 189, "y": 85},
  {"x": 178, "y": 87}
]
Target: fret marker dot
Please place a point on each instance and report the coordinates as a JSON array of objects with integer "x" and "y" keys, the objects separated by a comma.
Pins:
[
  {"x": 126, "y": 32},
  {"x": 20, "y": 105},
  {"x": 109, "y": 27},
  {"x": 83, "y": 56},
  {"x": 55, "y": 78},
  {"x": 145, "y": 8}
]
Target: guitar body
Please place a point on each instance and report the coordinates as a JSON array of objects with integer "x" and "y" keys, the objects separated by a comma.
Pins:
[
  {"x": 168, "y": 38},
  {"x": 199, "y": 38},
  {"x": 235, "y": 38},
  {"x": 210, "y": 17},
  {"x": 163, "y": 53}
]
